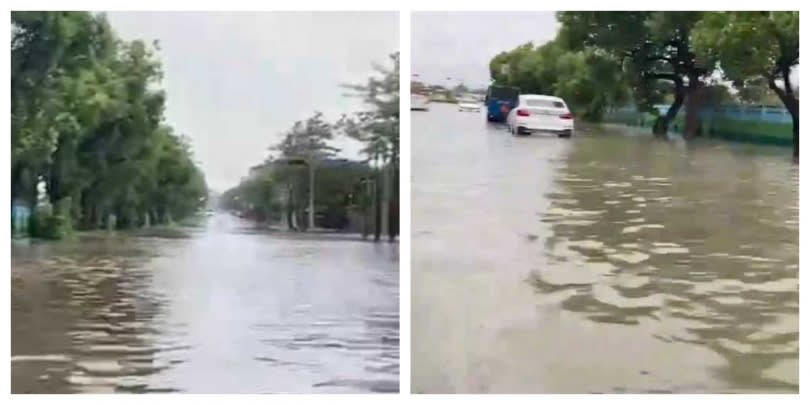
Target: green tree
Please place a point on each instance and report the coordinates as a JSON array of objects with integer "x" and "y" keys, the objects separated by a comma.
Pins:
[
  {"x": 378, "y": 130},
  {"x": 653, "y": 46},
  {"x": 460, "y": 89},
  {"x": 749, "y": 45},
  {"x": 308, "y": 142},
  {"x": 756, "y": 91},
  {"x": 88, "y": 121},
  {"x": 589, "y": 79},
  {"x": 48, "y": 49}
]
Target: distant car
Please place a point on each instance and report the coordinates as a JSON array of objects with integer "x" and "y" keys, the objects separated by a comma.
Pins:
[
  {"x": 539, "y": 113},
  {"x": 419, "y": 102},
  {"x": 468, "y": 104}
]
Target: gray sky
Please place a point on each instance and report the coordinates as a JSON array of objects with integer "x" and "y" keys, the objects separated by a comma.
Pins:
[
  {"x": 460, "y": 44},
  {"x": 236, "y": 80}
]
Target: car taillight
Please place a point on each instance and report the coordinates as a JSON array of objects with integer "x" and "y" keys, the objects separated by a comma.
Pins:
[
  {"x": 522, "y": 113},
  {"x": 567, "y": 116}
]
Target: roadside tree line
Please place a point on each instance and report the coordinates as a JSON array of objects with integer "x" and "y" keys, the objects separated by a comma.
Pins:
[
  {"x": 304, "y": 185},
  {"x": 87, "y": 121},
  {"x": 602, "y": 59}
]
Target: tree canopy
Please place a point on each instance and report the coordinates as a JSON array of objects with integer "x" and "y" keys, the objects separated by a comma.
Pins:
[
  {"x": 601, "y": 59},
  {"x": 752, "y": 46},
  {"x": 88, "y": 120},
  {"x": 589, "y": 79},
  {"x": 275, "y": 189}
]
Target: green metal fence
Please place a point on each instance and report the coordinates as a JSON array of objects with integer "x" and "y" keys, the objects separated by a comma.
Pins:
[{"x": 765, "y": 125}]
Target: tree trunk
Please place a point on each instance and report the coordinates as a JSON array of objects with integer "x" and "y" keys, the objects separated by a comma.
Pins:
[
  {"x": 795, "y": 117},
  {"x": 24, "y": 186},
  {"x": 661, "y": 126},
  {"x": 288, "y": 208},
  {"x": 385, "y": 200},
  {"x": 377, "y": 207},
  {"x": 367, "y": 209},
  {"x": 790, "y": 102},
  {"x": 311, "y": 213},
  {"x": 694, "y": 98},
  {"x": 393, "y": 212}
]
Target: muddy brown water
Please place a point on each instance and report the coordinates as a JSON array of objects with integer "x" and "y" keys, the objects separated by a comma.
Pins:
[
  {"x": 225, "y": 309},
  {"x": 608, "y": 263}
]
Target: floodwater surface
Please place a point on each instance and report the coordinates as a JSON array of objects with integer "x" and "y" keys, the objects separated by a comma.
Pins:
[
  {"x": 224, "y": 309},
  {"x": 606, "y": 263}
]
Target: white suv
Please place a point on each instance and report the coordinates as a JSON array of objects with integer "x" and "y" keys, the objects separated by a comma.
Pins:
[{"x": 538, "y": 113}]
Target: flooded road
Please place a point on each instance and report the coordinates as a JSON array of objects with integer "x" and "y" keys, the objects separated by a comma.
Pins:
[
  {"x": 607, "y": 263},
  {"x": 226, "y": 309}
]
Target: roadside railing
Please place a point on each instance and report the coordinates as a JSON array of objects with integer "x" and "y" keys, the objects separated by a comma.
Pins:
[{"x": 755, "y": 124}]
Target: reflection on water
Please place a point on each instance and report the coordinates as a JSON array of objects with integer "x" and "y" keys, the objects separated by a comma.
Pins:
[
  {"x": 224, "y": 309},
  {"x": 696, "y": 246}
]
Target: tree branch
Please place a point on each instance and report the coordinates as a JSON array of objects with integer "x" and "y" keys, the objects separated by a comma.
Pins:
[{"x": 779, "y": 92}]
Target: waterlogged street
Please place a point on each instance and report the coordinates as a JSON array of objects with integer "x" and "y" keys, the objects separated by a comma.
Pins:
[
  {"x": 221, "y": 309},
  {"x": 611, "y": 262}
]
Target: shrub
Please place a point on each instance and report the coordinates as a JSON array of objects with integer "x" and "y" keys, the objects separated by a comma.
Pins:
[{"x": 45, "y": 225}]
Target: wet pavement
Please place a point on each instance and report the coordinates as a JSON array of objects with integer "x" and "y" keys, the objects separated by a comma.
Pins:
[
  {"x": 223, "y": 309},
  {"x": 608, "y": 263}
]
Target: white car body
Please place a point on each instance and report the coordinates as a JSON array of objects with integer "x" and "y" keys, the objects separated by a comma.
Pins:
[
  {"x": 468, "y": 104},
  {"x": 419, "y": 102},
  {"x": 539, "y": 113}
]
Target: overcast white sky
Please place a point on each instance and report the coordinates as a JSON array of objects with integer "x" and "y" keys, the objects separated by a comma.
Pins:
[
  {"x": 236, "y": 80},
  {"x": 460, "y": 45}
]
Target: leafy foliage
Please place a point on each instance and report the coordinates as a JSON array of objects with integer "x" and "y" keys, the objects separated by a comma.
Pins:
[
  {"x": 276, "y": 189},
  {"x": 87, "y": 119},
  {"x": 653, "y": 46},
  {"x": 588, "y": 79},
  {"x": 377, "y": 128},
  {"x": 753, "y": 45}
]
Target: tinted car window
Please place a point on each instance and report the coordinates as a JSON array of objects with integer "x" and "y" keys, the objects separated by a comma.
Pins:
[{"x": 503, "y": 93}]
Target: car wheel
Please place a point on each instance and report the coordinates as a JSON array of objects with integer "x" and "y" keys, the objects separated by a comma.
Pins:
[{"x": 566, "y": 134}]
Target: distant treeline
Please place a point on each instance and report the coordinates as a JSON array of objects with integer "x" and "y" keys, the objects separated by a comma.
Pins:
[{"x": 303, "y": 185}]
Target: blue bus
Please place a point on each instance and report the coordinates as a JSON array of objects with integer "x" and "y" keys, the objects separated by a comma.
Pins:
[{"x": 500, "y": 100}]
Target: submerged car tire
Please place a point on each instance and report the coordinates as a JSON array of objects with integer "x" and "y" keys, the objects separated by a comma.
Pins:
[{"x": 565, "y": 134}]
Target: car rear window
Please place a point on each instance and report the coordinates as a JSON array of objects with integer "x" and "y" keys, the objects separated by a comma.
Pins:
[
  {"x": 503, "y": 93},
  {"x": 545, "y": 103}
]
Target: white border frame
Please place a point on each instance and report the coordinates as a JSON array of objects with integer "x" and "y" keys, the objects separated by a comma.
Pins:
[{"x": 404, "y": 7}]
